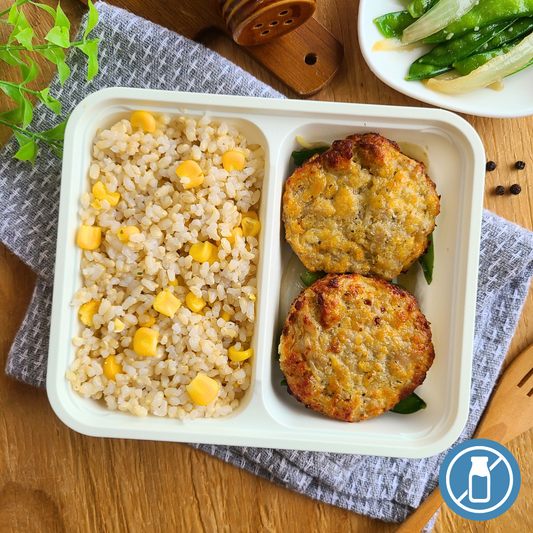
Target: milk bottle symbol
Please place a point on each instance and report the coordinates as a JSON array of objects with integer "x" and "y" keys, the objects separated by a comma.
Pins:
[{"x": 479, "y": 480}]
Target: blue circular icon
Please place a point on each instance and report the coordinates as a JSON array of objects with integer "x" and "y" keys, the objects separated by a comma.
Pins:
[{"x": 479, "y": 479}]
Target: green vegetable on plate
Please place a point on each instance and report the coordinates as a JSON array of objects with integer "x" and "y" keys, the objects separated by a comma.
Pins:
[
  {"x": 417, "y": 8},
  {"x": 409, "y": 405},
  {"x": 301, "y": 156},
  {"x": 445, "y": 54},
  {"x": 484, "y": 13},
  {"x": 427, "y": 261},
  {"x": 308, "y": 278}
]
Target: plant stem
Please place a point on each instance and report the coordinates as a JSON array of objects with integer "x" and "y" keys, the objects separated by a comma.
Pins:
[
  {"x": 36, "y": 93},
  {"x": 44, "y": 46},
  {"x": 59, "y": 144},
  {"x": 19, "y": 3}
]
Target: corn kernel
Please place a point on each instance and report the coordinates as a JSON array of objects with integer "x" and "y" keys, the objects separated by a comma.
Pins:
[
  {"x": 89, "y": 237},
  {"x": 87, "y": 311},
  {"x": 100, "y": 193},
  {"x": 242, "y": 355},
  {"x": 193, "y": 303},
  {"x": 173, "y": 283},
  {"x": 119, "y": 325},
  {"x": 150, "y": 321},
  {"x": 145, "y": 342},
  {"x": 225, "y": 316},
  {"x": 250, "y": 227},
  {"x": 204, "y": 251},
  {"x": 126, "y": 232},
  {"x": 234, "y": 233},
  {"x": 111, "y": 367},
  {"x": 166, "y": 303},
  {"x": 252, "y": 297},
  {"x": 143, "y": 120},
  {"x": 96, "y": 204},
  {"x": 190, "y": 169},
  {"x": 233, "y": 160},
  {"x": 250, "y": 214},
  {"x": 202, "y": 389}
]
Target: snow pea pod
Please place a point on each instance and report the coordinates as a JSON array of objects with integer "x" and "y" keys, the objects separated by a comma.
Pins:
[
  {"x": 467, "y": 65},
  {"x": 417, "y": 8},
  {"x": 392, "y": 24},
  {"x": 520, "y": 28},
  {"x": 445, "y": 54},
  {"x": 419, "y": 71},
  {"x": 427, "y": 261},
  {"x": 482, "y": 14}
]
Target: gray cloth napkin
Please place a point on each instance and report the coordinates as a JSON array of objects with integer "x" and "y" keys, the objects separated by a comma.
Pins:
[{"x": 136, "y": 53}]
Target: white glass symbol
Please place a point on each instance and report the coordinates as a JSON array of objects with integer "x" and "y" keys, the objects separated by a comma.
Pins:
[{"x": 479, "y": 481}]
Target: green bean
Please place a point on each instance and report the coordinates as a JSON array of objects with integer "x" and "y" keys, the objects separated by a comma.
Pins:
[
  {"x": 308, "y": 278},
  {"x": 392, "y": 24},
  {"x": 418, "y": 7},
  {"x": 409, "y": 405},
  {"x": 482, "y": 14},
  {"x": 301, "y": 156},
  {"x": 427, "y": 261}
]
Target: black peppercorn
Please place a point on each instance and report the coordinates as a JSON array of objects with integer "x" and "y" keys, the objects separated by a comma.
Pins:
[
  {"x": 520, "y": 165},
  {"x": 515, "y": 189},
  {"x": 491, "y": 165},
  {"x": 500, "y": 191}
]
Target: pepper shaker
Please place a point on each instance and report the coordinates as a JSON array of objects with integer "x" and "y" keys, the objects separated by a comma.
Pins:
[{"x": 254, "y": 22}]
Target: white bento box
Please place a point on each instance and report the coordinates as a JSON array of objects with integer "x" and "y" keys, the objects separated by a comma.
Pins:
[{"x": 268, "y": 416}]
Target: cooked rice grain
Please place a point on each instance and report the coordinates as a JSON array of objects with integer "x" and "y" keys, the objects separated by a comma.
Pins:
[{"x": 125, "y": 278}]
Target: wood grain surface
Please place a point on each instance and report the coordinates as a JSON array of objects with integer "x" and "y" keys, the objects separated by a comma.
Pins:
[{"x": 54, "y": 480}]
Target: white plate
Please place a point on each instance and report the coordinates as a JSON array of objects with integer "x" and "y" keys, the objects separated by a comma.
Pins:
[
  {"x": 268, "y": 416},
  {"x": 516, "y": 100}
]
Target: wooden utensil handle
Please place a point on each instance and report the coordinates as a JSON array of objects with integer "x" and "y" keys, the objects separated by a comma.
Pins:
[{"x": 416, "y": 522}]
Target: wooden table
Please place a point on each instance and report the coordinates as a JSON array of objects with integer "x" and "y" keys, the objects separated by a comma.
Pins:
[{"x": 54, "y": 480}]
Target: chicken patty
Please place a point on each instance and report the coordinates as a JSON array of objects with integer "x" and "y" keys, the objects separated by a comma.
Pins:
[
  {"x": 361, "y": 206},
  {"x": 352, "y": 347}
]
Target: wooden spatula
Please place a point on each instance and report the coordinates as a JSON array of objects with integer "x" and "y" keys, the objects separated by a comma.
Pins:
[{"x": 509, "y": 414}]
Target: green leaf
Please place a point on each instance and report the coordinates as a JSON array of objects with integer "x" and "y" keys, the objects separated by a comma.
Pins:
[
  {"x": 14, "y": 115},
  {"x": 409, "y": 405},
  {"x": 59, "y": 36},
  {"x": 11, "y": 57},
  {"x": 27, "y": 113},
  {"x": 22, "y": 138},
  {"x": 28, "y": 152},
  {"x": 13, "y": 91},
  {"x": 49, "y": 101},
  {"x": 29, "y": 74},
  {"x": 48, "y": 9},
  {"x": 57, "y": 56},
  {"x": 61, "y": 19},
  {"x": 57, "y": 132},
  {"x": 25, "y": 37},
  {"x": 91, "y": 50},
  {"x": 13, "y": 15},
  {"x": 57, "y": 151},
  {"x": 93, "y": 19}
]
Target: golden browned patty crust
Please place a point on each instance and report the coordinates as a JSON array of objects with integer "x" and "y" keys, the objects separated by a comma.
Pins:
[
  {"x": 352, "y": 347},
  {"x": 361, "y": 206}
]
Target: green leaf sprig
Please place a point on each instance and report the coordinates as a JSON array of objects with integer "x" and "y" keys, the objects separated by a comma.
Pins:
[{"x": 57, "y": 40}]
